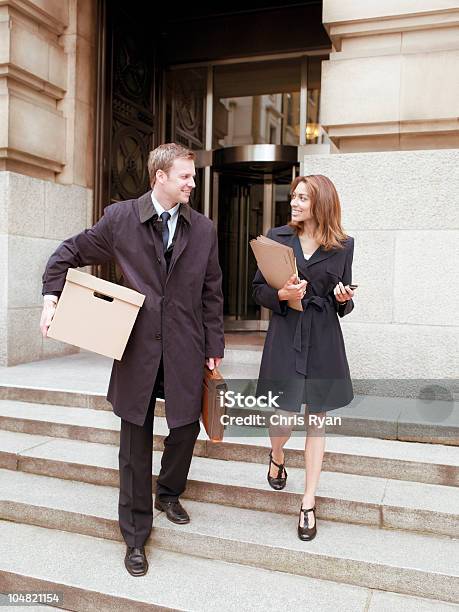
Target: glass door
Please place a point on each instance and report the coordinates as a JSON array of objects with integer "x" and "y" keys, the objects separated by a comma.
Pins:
[
  {"x": 240, "y": 219},
  {"x": 248, "y": 204}
]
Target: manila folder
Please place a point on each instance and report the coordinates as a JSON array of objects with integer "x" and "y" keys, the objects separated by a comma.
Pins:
[{"x": 277, "y": 264}]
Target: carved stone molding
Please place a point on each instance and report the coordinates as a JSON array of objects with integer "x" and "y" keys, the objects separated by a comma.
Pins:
[
  {"x": 53, "y": 18},
  {"x": 391, "y": 81}
]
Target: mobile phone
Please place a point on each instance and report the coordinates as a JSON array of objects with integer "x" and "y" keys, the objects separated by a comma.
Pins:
[{"x": 353, "y": 287}]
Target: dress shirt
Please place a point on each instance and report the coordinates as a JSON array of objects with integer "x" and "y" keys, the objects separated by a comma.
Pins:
[{"x": 172, "y": 223}]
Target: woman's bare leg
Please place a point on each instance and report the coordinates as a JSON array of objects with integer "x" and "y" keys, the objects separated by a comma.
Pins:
[
  {"x": 279, "y": 435},
  {"x": 313, "y": 457}
]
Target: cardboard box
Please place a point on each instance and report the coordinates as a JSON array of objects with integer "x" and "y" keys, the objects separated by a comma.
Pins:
[{"x": 94, "y": 314}]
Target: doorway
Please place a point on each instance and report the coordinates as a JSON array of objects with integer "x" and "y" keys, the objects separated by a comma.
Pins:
[{"x": 249, "y": 197}]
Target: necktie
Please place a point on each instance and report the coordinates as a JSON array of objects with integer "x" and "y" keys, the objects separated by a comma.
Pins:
[{"x": 165, "y": 216}]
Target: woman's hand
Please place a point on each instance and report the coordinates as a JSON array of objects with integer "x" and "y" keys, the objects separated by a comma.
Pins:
[
  {"x": 343, "y": 293},
  {"x": 294, "y": 289}
]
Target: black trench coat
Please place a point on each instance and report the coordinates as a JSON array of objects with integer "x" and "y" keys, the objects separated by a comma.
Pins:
[
  {"x": 182, "y": 315},
  {"x": 304, "y": 358}
]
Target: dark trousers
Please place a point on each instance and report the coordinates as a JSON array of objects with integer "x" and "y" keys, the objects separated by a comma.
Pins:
[{"x": 135, "y": 507}]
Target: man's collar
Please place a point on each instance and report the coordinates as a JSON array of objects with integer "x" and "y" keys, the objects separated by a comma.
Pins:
[
  {"x": 160, "y": 209},
  {"x": 147, "y": 210}
]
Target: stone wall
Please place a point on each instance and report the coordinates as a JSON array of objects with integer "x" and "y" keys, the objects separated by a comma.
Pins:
[
  {"x": 47, "y": 97},
  {"x": 392, "y": 78},
  {"x": 401, "y": 208},
  {"x": 35, "y": 216},
  {"x": 47, "y": 81}
]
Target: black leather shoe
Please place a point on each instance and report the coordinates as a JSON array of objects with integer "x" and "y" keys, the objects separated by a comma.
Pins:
[
  {"x": 280, "y": 480},
  {"x": 174, "y": 510},
  {"x": 307, "y": 533},
  {"x": 136, "y": 561}
]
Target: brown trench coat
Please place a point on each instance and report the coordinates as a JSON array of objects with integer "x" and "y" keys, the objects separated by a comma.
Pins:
[
  {"x": 182, "y": 315},
  {"x": 304, "y": 358}
]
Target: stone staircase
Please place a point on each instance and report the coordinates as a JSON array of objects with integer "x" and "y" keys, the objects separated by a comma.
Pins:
[{"x": 387, "y": 516}]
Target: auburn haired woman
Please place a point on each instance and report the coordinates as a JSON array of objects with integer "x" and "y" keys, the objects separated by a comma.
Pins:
[{"x": 304, "y": 359}]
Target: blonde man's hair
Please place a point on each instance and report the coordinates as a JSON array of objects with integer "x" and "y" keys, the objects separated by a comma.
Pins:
[{"x": 163, "y": 157}]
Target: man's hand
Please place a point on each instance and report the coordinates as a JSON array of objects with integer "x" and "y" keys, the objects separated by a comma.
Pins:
[
  {"x": 213, "y": 362},
  {"x": 294, "y": 289},
  {"x": 49, "y": 308},
  {"x": 343, "y": 293}
]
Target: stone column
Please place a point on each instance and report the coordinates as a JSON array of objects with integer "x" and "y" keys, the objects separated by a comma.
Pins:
[
  {"x": 47, "y": 75},
  {"x": 392, "y": 79}
]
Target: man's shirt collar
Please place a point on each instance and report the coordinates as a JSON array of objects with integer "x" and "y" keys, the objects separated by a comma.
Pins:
[
  {"x": 147, "y": 209},
  {"x": 159, "y": 209}
]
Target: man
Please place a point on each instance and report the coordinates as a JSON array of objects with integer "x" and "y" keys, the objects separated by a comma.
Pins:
[{"x": 167, "y": 251}]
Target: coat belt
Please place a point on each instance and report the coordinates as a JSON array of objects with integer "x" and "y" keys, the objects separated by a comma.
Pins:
[{"x": 303, "y": 329}]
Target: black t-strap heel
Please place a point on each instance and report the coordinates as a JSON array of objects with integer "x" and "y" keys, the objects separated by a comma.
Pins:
[
  {"x": 280, "y": 480},
  {"x": 306, "y": 533}
]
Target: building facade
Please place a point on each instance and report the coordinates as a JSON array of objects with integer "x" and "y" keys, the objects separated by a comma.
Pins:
[{"x": 366, "y": 93}]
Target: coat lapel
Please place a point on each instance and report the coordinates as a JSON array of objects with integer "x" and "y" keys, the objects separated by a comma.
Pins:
[
  {"x": 146, "y": 208},
  {"x": 179, "y": 246},
  {"x": 182, "y": 236},
  {"x": 289, "y": 237},
  {"x": 300, "y": 260},
  {"x": 319, "y": 255}
]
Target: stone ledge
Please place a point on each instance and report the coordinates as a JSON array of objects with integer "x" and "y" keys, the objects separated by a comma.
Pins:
[
  {"x": 53, "y": 15},
  {"x": 357, "y": 21},
  {"x": 437, "y": 126},
  {"x": 14, "y": 74}
]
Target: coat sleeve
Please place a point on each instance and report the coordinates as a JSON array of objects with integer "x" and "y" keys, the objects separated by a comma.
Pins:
[
  {"x": 267, "y": 296},
  {"x": 212, "y": 304},
  {"x": 92, "y": 246},
  {"x": 347, "y": 307}
]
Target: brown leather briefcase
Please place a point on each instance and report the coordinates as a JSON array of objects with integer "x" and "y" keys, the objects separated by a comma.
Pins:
[{"x": 213, "y": 405}]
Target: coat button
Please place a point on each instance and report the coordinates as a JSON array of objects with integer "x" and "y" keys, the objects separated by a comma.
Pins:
[{"x": 158, "y": 337}]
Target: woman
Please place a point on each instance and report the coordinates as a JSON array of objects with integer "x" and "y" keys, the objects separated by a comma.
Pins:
[{"x": 304, "y": 359}]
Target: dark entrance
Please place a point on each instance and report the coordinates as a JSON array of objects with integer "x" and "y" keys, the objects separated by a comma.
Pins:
[{"x": 141, "y": 104}]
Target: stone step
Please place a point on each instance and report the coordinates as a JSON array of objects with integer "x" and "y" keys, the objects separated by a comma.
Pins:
[
  {"x": 413, "y": 461},
  {"x": 368, "y": 416},
  {"x": 391, "y": 560},
  {"x": 90, "y": 574},
  {"x": 369, "y": 500},
  {"x": 57, "y": 397},
  {"x": 25, "y": 608}
]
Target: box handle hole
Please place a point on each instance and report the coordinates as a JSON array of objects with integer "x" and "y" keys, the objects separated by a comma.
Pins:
[{"x": 101, "y": 296}]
